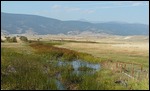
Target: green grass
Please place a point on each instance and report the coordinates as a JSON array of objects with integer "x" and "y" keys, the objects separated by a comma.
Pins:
[
  {"x": 33, "y": 71},
  {"x": 29, "y": 71},
  {"x": 102, "y": 80},
  {"x": 38, "y": 70},
  {"x": 144, "y": 60},
  {"x": 65, "y": 54}
]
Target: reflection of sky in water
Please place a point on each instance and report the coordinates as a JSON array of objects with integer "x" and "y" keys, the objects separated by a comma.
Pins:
[
  {"x": 78, "y": 63},
  {"x": 60, "y": 86}
]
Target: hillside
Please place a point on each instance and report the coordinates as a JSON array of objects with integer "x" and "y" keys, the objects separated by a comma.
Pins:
[{"x": 21, "y": 23}]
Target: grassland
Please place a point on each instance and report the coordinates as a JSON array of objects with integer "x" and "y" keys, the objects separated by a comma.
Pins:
[
  {"x": 31, "y": 66},
  {"x": 137, "y": 52}
]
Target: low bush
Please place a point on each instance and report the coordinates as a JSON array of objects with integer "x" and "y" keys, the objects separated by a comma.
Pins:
[
  {"x": 23, "y": 38},
  {"x": 9, "y": 39}
]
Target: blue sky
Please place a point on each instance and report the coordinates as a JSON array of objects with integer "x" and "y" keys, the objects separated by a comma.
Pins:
[{"x": 123, "y": 11}]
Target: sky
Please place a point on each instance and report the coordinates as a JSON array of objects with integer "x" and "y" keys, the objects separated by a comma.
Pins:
[{"x": 102, "y": 11}]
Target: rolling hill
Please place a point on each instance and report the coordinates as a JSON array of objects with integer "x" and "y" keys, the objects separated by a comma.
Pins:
[{"x": 22, "y": 23}]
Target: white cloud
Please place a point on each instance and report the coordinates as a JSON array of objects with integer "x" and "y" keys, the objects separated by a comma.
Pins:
[
  {"x": 129, "y": 3},
  {"x": 79, "y": 10},
  {"x": 123, "y": 4},
  {"x": 64, "y": 8},
  {"x": 108, "y": 7},
  {"x": 56, "y": 6},
  {"x": 60, "y": 8},
  {"x": 88, "y": 11},
  {"x": 70, "y": 9}
]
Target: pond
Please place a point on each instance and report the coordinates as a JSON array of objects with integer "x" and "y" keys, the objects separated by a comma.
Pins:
[
  {"x": 78, "y": 63},
  {"x": 60, "y": 86},
  {"x": 79, "y": 67}
]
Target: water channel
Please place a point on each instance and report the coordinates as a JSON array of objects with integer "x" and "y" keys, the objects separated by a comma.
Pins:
[{"x": 76, "y": 65}]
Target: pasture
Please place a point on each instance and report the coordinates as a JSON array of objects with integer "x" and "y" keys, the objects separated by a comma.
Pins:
[{"x": 34, "y": 65}]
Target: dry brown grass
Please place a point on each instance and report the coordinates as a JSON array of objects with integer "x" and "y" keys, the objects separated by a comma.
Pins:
[
  {"x": 122, "y": 48},
  {"x": 116, "y": 49},
  {"x": 19, "y": 47},
  {"x": 98, "y": 49}
]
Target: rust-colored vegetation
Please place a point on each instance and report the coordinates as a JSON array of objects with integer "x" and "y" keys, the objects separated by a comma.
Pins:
[
  {"x": 55, "y": 51},
  {"x": 65, "y": 54}
]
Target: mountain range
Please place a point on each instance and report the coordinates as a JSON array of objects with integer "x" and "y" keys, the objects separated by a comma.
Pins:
[{"x": 22, "y": 23}]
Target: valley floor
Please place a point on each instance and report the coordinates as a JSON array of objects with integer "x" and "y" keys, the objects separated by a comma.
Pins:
[{"x": 110, "y": 52}]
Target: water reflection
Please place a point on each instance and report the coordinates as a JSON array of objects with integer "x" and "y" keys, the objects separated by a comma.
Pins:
[{"x": 76, "y": 65}]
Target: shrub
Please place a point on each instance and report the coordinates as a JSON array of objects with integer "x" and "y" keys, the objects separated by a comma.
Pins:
[
  {"x": 13, "y": 39},
  {"x": 23, "y": 38},
  {"x": 9, "y": 39}
]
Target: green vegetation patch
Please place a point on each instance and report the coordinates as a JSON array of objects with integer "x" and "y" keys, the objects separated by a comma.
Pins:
[
  {"x": 11, "y": 39},
  {"x": 39, "y": 70},
  {"x": 23, "y": 71},
  {"x": 23, "y": 38},
  {"x": 65, "y": 54}
]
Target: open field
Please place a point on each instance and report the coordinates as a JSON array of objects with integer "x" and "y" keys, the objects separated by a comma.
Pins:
[
  {"x": 24, "y": 63},
  {"x": 117, "y": 50}
]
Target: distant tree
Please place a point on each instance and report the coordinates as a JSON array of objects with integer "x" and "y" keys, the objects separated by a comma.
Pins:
[
  {"x": 39, "y": 39},
  {"x": 13, "y": 39},
  {"x": 9, "y": 39},
  {"x": 23, "y": 38}
]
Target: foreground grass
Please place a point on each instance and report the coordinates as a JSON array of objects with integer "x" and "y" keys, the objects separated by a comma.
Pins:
[
  {"x": 37, "y": 70},
  {"x": 23, "y": 71}
]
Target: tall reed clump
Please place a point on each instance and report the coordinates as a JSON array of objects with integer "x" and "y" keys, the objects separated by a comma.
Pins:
[
  {"x": 23, "y": 71},
  {"x": 71, "y": 80},
  {"x": 102, "y": 80},
  {"x": 89, "y": 82}
]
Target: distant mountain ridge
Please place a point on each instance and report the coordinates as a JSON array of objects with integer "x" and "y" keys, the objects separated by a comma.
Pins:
[{"x": 22, "y": 23}]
